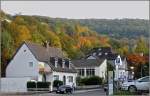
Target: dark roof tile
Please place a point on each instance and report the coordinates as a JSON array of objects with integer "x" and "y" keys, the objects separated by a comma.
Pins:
[{"x": 87, "y": 62}]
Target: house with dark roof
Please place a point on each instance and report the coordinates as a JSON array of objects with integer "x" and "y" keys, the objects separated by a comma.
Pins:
[
  {"x": 91, "y": 67},
  {"x": 41, "y": 63},
  {"x": 119, "y": 63}
]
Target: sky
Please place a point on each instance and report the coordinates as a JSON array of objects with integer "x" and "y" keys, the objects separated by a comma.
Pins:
[{"x": 79, "y": 9}]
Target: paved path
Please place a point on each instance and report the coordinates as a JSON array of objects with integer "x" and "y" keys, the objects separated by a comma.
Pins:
[{"x": 91, "y": 92}]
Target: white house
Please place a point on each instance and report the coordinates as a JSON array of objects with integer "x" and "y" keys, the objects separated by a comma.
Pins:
[
  {"x": 91, "y": 67},
  {"x": 119, "y": 63},
  {"x": 41, "y": 64}
]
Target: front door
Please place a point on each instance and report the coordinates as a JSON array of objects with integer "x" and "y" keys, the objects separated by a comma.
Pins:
[{"x": 64, "y": 80}]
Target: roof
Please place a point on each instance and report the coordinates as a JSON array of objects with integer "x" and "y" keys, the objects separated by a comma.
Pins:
[
  {"x": 110, "y": 56},
  {"x": 102, "y": 50},
  {"x": 103, "y": 53},
  {"x": 42, "y": 53},
  {"x": 87, "y": 62},
  {"x": 60, "y": 69}
]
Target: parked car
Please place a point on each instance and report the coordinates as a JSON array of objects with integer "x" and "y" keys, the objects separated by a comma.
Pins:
[
  {"x": 64, "y": 89},
  {"x": 141, "y": 84}
]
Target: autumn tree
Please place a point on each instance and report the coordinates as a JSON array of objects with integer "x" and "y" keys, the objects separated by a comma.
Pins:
[
  {"x": 22, "y": 34},
  {"x": 141, "y": 46},
  {"x": 138, "y": 62}
]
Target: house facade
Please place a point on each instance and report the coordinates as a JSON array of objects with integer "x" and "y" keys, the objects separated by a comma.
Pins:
[
  {"x": 119, "y": 63},
  {"x": 91, "y": 67},
  {"x": 41, "y": 64}
]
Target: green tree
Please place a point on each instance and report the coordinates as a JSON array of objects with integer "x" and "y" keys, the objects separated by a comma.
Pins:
[{"x": 141, "y": 46}]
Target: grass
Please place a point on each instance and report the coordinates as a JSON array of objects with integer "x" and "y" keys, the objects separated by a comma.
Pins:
[{"x": 123, "y": 93}]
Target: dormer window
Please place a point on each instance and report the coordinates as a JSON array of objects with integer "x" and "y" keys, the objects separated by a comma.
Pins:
[
  {"x": 52, "y": 60},
  {"x": 94, "y": 54},
  {"x": 118, "y": 60},
  {"x": 24, "y": 50},
  {"x": 99, "y": 49},
  {"x": 63, "y": 63},
  {"x": 60, "y": 61},
  {"x": 56, "y": 62},
  {"x": 67, "y": 63},
  {"x": 100, "y": 54}
]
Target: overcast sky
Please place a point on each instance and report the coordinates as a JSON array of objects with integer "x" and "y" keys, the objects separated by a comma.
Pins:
[{"x": 79, "y": 9}]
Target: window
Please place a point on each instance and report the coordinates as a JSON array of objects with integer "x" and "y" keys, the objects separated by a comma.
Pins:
[
  {"x": 118, "y": 60},
  {"x": 90, "y": 72},
  {"x": 94, "y": 54},
  {"x": 56, "y": 77},
  {"x": 106, "y": 53},
  {"x": 70, "y": 78},
  {"x": 145, "y": 79},
  {"x": 30, "y": 64},
  {"x": 81, "y": 72},
  {"x": 24, "y": 50},
  {"x": 100, "y": 54}
]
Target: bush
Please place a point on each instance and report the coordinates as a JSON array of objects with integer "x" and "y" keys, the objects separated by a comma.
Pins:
[
  {"x": 38, "y": 84},
  {"x": 57, "y": 83},
  {"x": 31, "y": 84},
  {"x": 94, "y": 80},
  {"x": 43, "y": 84}
]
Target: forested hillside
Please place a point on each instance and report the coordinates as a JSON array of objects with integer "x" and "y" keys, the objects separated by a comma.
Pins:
[
  {"x": 116, "y": 28},
  {"x": 75, "y": 37}
]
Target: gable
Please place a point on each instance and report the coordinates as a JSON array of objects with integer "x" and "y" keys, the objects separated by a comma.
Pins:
[
  {"x": 23, "y": 63},
  {"x": 22, "y": 49}
]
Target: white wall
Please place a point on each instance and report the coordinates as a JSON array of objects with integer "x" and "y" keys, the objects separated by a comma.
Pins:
[
  {"x": 61, "y": 74},
  {"x": 102, "y": 69},
  {"x": 14, "y": 84},
  {"x": 19, "y": 65},
  {"x": 99, "y": 70}
]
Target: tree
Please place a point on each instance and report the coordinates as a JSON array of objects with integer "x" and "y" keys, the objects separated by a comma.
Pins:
[
  {"x": 22, "y": 34},
  {"x": 141, "y": 47},
  {"x": 138, "y": 62}
]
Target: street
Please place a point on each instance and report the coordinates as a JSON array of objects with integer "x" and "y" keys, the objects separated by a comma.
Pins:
[{"x": 92, "y": 92}]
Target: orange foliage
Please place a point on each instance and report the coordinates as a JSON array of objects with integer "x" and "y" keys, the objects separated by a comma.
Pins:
[{"x": 136, "y": 59}]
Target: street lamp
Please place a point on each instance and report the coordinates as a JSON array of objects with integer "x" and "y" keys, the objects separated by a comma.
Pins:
[
  {"x": 132, "y": 71},
  {"x": 131, "y": 67}
]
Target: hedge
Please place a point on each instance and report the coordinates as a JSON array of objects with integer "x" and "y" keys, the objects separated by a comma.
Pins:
[
  {"x": 31, "y": 84},
  {"x": 43, "y": 84},
  {"x": 57, "y": 83},
  {"x": 94, "y": 80}
]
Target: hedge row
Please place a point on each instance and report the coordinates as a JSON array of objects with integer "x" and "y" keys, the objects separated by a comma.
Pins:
[
  {"x": 38, "y": 84},
  {"x": 57, "y": 83},
  {"x": 94, "y": 80}
]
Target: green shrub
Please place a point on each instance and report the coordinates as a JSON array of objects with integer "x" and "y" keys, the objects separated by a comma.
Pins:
[
  {"x": 31, "y": 84},
  {"x": 43, "y": 84},
  {"x": 57, "y": 83},
  {"x": 94, "y": 80}
]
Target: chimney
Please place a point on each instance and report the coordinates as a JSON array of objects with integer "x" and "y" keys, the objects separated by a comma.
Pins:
[
  {"x": 56, "y": 62},
  {"x": 69, "y": 63},
  {"x": 63, "y": 63}
]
